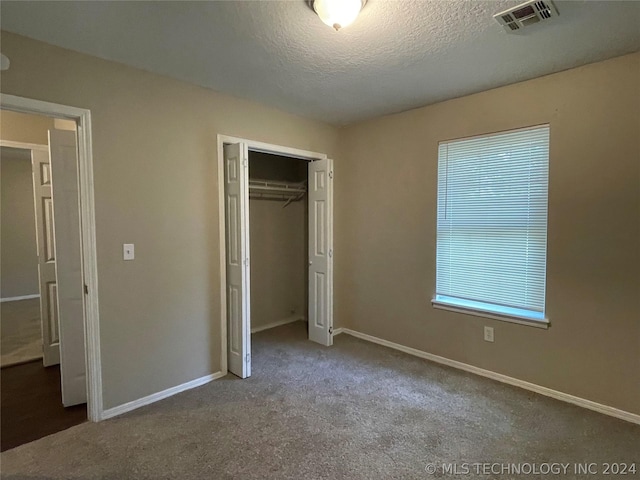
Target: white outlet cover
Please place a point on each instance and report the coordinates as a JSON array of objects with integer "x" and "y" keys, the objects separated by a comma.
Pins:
[{"x": 4, "y": 62}]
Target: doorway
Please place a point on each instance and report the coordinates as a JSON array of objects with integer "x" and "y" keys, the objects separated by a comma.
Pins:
[
  {"x": 20, "y": 325},
  {"x": 52, "y": 322},
  {"x": 67, "y": 292},
  {"x": 235, "y": 188}
]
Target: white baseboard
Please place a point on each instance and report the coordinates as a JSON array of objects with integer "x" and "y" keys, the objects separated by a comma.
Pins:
[
  {"x": 22, "y": 297},
  {"x": 565, "y": 397},
  {"x": 276, "y": 324},
  {"x": 154, "y": 397}
]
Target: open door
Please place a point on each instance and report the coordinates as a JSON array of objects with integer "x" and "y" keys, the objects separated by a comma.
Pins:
[
  {"x": 321, "y": 252},
  {"x": 41, "y": 169},
  {"x": 236, "y": 197},
  {"x": 70, "y": 288}
]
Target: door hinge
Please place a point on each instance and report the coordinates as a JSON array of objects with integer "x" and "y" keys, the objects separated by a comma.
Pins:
[
  {"x": 331, "y": 330},
  {"x": 86, "y": 289},
  {"x": 245, "y": 163},
  {"x": 330, "y": 173},
  {"x": 330, "y": 252},
  {"x": 248, "y": 358}
]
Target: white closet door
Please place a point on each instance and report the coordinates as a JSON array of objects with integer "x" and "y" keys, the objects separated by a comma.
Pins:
[
  {"x": 236, "y": 172},
  {"x": 66, "y": 206},
  {"x": 41, "y": 168},
  {"x": 321, "y": 252}
]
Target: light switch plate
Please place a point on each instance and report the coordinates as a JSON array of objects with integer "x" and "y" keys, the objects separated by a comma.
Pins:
[
  {"x": 488, "y": 334},
  {"x": 128, "y": 252}
]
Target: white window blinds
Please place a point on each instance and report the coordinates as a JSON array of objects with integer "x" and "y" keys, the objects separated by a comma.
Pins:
[{"x": 492, "y": 223}]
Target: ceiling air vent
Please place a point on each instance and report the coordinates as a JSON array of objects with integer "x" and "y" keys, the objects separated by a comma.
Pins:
[{"x": 526, "y": 14}]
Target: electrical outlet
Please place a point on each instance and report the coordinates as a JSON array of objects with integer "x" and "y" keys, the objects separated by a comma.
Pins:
[{"x": 488, "y": 334}]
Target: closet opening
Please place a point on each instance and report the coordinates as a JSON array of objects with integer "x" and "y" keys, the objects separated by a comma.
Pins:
[
  {"x": 278, "y": 239},
  {"x": 277, "y": 228}
]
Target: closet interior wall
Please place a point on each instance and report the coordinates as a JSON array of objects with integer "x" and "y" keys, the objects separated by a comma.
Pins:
[{"x": 278, "y": 243}]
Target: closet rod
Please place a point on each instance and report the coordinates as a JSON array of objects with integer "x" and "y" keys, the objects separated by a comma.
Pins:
[
  {"x": 285, "y": 197},
  {"x": 277, "y": 187},
  {"x": 286, "y": 191},
  {"x": 290, "y": 190}
]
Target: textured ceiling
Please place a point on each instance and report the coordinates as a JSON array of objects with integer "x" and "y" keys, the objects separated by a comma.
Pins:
[{"x": 396, "y": 56}]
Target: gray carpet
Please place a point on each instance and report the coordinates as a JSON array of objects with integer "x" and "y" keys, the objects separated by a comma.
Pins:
[
  {"x": 353, "y": 411},
  {"x": 20, "y": 332}
]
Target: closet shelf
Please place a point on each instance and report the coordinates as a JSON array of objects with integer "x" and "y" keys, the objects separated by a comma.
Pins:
[
  {"x": 277, "y": 187},
  {"x": 286, "y": 191}
]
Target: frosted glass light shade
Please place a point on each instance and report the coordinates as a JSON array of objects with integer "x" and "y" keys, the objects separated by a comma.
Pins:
[{"x": 338, "y": 13}]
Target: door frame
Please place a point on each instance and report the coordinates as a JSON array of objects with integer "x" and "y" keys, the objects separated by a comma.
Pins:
[
  {"x": 253, "y": 146},
  {"x": 82, "y": 118}
]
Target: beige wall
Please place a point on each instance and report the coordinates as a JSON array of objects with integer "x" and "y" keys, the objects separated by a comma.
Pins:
[
  {"x": 278, "y": 261},
  {"x": 155, "y": 186},
  {"x": 386, "y": 188},
  {"x": 18, "y": 251},
  {"x": 155, "y": 169},
  {"x": 21, "y": 127}
]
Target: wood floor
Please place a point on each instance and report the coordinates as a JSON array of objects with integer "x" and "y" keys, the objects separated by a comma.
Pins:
[{"x": 31, "y": 404}]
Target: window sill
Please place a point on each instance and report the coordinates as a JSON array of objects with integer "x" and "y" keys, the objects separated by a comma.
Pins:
[{"x": 544, "y": 323}]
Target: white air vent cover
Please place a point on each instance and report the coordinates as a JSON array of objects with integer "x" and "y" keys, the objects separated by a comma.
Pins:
[{"x": 526, "y": 14}]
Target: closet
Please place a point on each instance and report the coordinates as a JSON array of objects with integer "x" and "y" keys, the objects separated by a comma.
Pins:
[
  {"x": 278, "y": 240},
  {"x": 278, "y": 231}
]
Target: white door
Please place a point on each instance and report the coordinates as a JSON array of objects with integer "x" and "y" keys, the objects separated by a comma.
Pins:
[
  {"x": 41, "y": 169},
  {"x": 321, "y": 252},
  {"x": 236, "y": 197},
  {"x": 66, "y": 207}
]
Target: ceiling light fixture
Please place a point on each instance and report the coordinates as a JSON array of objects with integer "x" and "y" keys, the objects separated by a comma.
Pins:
[{"x": 337, "y": 13}]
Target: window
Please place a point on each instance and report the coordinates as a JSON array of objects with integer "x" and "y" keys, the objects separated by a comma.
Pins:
[{"x": 492, "y": 224}]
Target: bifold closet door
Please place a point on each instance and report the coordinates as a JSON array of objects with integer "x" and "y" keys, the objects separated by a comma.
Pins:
[
  {"x": 321, "y": 251},
  {"x": 236, "y": 196}
]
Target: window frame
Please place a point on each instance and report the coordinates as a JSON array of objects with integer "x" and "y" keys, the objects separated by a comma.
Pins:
[{"x": 459, "y": 307}]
